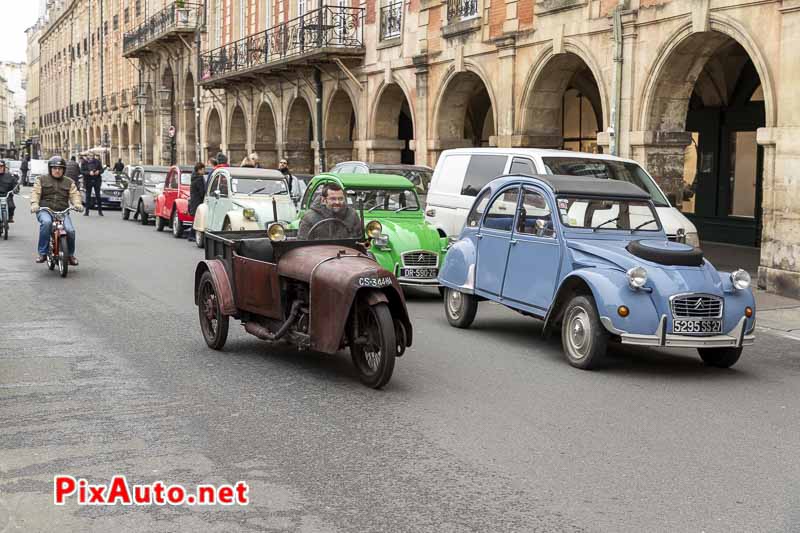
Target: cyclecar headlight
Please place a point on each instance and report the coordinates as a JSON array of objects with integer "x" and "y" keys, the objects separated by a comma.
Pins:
[
  {"x": 249, "y": 213},
  {"x": 374, "y": 229},
  {"x": 740, "y": 279},
  {"x": 276, "y": 232},
  {"x": 637, "y": 277},
  {"x": 693, "y": 239}
]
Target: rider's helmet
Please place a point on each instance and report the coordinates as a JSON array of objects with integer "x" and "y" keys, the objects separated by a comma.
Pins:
[{"x": 56, "y": 161}]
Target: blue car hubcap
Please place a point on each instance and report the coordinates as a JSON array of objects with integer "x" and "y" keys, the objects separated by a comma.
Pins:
[
  {"x": 578, "y": 328},
  {"x": 454, "y": 303}
]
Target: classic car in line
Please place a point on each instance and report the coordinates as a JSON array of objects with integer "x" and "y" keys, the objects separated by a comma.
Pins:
[
  {"x": 592, "y": 256},
  {"x": 419, "y": 175},
  {"x": 314, "y": 294},
  {"x": 172, "y": 205},
  {"x": 405, "y": 244},
  {"x": 239, "y": 199},
  {"x": 110, "y": 190},
  {"x": 141, "y": 190}
]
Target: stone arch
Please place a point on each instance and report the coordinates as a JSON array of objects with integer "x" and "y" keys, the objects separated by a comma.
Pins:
[
  {"x": 125, "y": 143},
  {"x": 213, "y": 133},
  {"x": 299, "y": 136},
  {"x": 564, "y": 101},
  {"x": 265, "y": 138},
  {"x": 189, "y": 137},
  {"x": 673, "y": 55},
  {"x": 392, "y": 126},
  {"x": 237, "y": 136},
  {"x": 136, "y": 142},
  {"x": 116, "y": 149},
  {"x": 340, "y": 128},
  {"x": 149, "y": 133},
  {"x": 698, "y": 101},
  {"x": 464, "y": 111}
]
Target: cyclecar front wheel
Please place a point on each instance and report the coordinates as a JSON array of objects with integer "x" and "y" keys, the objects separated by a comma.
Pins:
[
  {"x": 374, "y": 349},
  {"x": 213, "y": 323}
]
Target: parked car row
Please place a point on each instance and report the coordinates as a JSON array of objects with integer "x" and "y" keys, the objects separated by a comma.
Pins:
[{"x": 587, "y": 243}]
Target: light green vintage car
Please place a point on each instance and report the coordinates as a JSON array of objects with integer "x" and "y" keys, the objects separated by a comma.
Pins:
[
  {"x": 243, "y": 199},
  {"x": 407, "y": 246}
]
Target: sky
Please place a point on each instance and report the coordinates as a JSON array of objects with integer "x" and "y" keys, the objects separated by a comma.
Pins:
[{"x": 18, "y": 15}]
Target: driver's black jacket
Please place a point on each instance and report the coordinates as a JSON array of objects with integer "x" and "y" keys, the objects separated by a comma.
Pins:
[{"x": 352, "y": 228}]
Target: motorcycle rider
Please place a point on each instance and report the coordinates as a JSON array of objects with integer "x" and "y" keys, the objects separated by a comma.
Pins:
[
  {"x": 334, "y": 205},
  {"x": 56, "y": 193},
  {"x": 8, "y": 182}
]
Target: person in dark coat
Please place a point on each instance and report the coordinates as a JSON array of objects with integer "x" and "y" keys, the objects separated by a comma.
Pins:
[
  {"x": 23, "y": 169},
  {"x": 197, "y": 192},
  {"x": 93, "y": 183},
  {"x": 119, "y": 166},
  {"x": 8, "y": 182},
  {"x": 73, "y": 170},
  {"x": 334, "y": 205}
]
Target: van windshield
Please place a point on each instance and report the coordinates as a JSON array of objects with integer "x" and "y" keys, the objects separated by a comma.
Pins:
[{"x": 606, "y": 169}]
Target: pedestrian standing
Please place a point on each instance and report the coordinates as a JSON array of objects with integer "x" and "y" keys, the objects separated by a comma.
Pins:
[
  {"x": 74, "y": 171},
  {"x": 296, "y": 187},
  {"x": 247, "y": 163},
  {"x": 197, "y": 193},
  {"x": 119, "y": 166},
  {"x": 23, "y": 169},
  {"x": 254, "y": 158},
  {"x": 95, "y": 168}
]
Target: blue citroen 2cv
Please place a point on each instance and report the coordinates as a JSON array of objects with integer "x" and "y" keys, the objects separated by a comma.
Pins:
[{"x": 591, "y": 256}]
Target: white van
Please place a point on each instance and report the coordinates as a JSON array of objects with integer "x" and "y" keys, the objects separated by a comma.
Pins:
[{"x": 461, "y": 173}]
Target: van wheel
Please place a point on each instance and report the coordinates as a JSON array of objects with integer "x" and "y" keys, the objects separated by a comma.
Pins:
[
  {"x": 720, "y": 357},
  {"x": 583, "y": 337},
  {"x": 460, "y": 308}
]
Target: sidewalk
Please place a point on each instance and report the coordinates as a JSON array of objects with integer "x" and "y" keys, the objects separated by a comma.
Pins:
[{"x": 778, "y": 313}]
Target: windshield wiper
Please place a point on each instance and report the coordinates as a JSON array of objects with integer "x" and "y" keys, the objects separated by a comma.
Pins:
[
  {"x": 406, "y": 207},
  {"x": 644, "y": 224},
  {"x": 595, "y": 228},
  {"x": 379, "y": 206},
  {"x": 251, "y": 193}
]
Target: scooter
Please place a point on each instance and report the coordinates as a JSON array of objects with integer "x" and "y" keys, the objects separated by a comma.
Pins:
[{"x": 58, "y": 252}]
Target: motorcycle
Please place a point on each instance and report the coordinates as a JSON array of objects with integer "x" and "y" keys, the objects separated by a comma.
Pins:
[
  {"x": 57, "y": 253},
  {"x": 4, "y": 215}
]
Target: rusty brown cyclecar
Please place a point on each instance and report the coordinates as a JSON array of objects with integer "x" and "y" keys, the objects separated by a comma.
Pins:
[{"x": 317, "y": 295}]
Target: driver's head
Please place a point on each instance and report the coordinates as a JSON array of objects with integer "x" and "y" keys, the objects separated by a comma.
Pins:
[
  {"x": 2, "y": 166},
  {"x": 56, "y": 167},
  {"x": 333, "y": 198}
]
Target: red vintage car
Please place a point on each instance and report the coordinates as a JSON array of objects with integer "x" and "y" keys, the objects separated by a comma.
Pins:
[{"x": 172, "y": 205}]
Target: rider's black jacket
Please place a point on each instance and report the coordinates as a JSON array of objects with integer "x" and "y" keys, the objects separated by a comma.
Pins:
[{"x": 7, "y": 183}]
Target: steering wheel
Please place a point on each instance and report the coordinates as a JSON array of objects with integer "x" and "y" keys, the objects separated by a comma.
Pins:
[{"x": 321, "y": 223}]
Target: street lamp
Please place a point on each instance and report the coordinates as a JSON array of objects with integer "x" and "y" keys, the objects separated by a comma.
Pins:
[{"x": 141, "y": 101}]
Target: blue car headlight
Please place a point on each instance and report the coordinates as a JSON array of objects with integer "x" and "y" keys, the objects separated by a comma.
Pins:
[
  {"x": 637, "y": 277},
  {"x": 740, "y": 279}
]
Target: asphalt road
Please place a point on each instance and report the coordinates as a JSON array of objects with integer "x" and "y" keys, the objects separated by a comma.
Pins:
[{"x": 488, "y": 429}]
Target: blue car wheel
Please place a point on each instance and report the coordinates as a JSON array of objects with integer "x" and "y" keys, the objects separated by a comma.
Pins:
[
  {"x": 460, "y": 308},
  {"x": 583, "y": 337}
]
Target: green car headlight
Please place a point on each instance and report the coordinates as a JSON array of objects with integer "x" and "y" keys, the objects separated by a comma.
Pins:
[
  {"x": 249, "y": 213},
  {"x": 374, "y": 229}
]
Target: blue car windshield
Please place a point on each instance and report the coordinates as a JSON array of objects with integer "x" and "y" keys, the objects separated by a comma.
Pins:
[
  {"x": 606, "y": 169},
  {"x": 608, "y": 214}
]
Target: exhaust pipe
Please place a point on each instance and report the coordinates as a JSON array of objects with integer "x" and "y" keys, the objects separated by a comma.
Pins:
[{"x": 263, "y": 333}]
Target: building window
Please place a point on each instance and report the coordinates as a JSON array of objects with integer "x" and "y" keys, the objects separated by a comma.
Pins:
[
  {"x": 391, "y": 19},
  {"x": 579, "y": 123},
  {"x": 138, "y": 7},
  {"x": 461, "y": 9},
  {"x": 126, "y": 15},
  {"x": 115, "y": 24}
]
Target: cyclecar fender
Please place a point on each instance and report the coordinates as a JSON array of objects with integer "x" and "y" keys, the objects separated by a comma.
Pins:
[{"x": 221, "y": 283}]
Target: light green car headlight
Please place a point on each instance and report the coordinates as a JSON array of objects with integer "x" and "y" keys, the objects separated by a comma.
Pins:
[{"x": 249, "y": 213}]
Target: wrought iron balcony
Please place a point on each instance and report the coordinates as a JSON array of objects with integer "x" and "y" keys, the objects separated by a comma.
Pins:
[
  {"x": 319, "y": 35},
  {"x": 391, "y": 20},
  {"x": 178, "y": 17},
  {"x": 461, "y": 9}
]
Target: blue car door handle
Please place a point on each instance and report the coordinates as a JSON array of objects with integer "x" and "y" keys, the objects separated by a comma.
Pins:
[
  {"x": 513, "y": 242},
  {"x": 479, "y": 236}
]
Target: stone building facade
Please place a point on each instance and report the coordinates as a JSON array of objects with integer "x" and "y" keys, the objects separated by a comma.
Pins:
[{"x": 699, "y": 91}]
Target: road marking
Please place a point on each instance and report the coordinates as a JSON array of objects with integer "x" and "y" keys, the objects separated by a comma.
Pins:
[{"x": 779, "y": 333}]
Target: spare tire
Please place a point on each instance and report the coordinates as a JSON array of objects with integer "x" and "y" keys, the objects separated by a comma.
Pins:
[{"x": 666, "y": 252}]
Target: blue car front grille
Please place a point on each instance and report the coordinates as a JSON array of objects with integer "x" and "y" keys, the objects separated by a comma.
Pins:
[{"x": 696, "y": 306}]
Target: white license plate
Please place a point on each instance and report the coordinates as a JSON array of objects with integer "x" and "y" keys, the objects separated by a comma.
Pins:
[
  {"x": 419, "y": 273},
  {"x": 697, "y": 326}
]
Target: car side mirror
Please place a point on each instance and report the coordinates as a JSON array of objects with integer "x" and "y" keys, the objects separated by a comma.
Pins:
[
  {"x": 541, "y": 226},
  {"x": 216, "y": 194},
  {"x": 124, "y": 183}
]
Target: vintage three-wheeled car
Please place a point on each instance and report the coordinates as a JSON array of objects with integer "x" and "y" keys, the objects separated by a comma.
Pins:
[
  {"x": 318, "y": 295},
  {"x": 591, "y": 256}
]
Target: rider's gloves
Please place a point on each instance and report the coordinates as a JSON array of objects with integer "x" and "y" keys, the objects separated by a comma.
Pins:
[
  {"x": 79, "y": 208},
  {"x": 34, "y": 209}
]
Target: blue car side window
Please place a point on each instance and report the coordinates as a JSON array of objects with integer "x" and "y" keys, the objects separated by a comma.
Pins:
[
  {"x": 534, "y": 215},
  {"x": 500, "y": 215}
]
